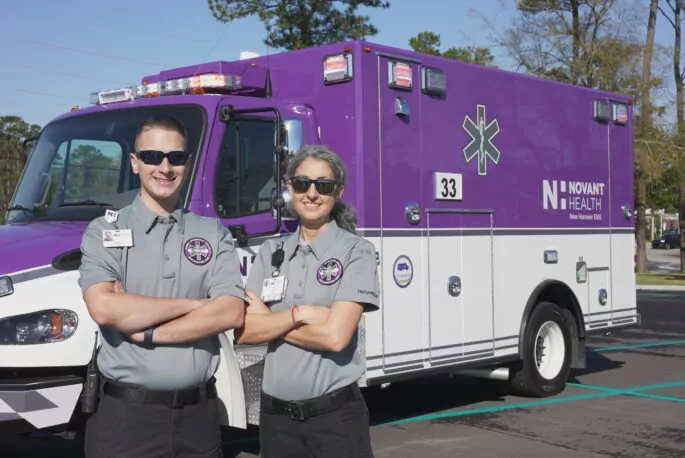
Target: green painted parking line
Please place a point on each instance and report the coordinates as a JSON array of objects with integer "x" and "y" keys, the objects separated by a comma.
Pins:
[
  {"x": 605, "y": 392},
  {"x": 520, "y": 405},
  {"x": 631, "y": 347},
  {"x": 636, "y": 391}
]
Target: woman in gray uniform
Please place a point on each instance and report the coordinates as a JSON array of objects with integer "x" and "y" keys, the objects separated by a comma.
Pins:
[{"x": 317, "y": 282}]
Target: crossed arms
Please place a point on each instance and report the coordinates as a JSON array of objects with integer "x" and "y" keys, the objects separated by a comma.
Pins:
[
  {"x": 315, "y": 327},
  {"x": 177, "y": 319},
  {"x": 312, "y": 327},
  {"x": 183, "y": 320}
]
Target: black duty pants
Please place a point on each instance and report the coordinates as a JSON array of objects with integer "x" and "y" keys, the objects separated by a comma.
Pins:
[
  {"x": 123, "y": 429},
  {"x": 341, "y": 433}
]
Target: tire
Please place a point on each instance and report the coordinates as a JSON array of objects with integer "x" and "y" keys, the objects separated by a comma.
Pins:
[{"x": 548, "y": 326}]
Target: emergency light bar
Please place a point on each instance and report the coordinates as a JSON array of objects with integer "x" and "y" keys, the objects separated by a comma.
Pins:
[{"x": 199, "y": 84}]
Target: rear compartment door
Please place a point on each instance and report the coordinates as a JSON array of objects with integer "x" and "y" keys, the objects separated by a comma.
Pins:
[
  {"x": 402, "y": 264},
  {"x": 622, "y": 299},
  {"x": 588, "y": 198}
]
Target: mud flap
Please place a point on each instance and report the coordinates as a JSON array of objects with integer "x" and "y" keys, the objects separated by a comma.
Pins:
[{"x": 229, "y": 385}]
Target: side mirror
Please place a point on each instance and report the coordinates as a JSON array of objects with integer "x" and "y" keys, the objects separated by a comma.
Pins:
[
  {"x": 293, "y": 135},
  {"x": 291, "y": 141}
]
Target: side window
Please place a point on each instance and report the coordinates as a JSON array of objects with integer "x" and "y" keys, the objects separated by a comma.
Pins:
[
  {"x": 87, "y": 169},
  {"x": 244, "y": 175}
]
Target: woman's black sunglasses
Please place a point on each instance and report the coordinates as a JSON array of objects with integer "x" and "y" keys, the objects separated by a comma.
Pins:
[
  {"x": 323, "y": 186},
  {"x": 152, "y": 157}
]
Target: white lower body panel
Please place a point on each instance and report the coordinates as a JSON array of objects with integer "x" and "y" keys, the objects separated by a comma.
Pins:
[{"x": 407, "y": 334}]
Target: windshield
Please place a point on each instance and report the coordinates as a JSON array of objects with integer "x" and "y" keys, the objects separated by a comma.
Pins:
[{"x": 81, "y": 165}]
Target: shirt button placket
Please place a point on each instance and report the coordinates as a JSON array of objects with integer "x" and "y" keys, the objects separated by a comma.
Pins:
[{"x": 168, "y": 271}]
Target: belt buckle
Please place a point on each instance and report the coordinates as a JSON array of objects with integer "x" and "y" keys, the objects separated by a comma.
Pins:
[
  {"x": 295, "y": 411},
  {"x": 176, "y": 400}
]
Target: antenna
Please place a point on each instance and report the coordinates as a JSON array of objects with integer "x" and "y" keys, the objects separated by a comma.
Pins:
[
  {"x": 211, "y": 49},
  {"x": 267, "y": 85}
]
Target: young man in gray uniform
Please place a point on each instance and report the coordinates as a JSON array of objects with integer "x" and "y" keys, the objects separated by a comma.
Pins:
[
  {"x": 161, "y": 286},
  {"x": 311, "y": 404}
]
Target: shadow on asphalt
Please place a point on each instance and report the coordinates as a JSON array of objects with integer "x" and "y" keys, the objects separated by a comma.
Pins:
[
  {"x": 398, "y": 401},
  {"x": 596, "y": 363}
]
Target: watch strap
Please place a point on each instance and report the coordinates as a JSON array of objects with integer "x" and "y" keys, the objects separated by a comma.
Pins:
[{"x": 147, "y": 335}]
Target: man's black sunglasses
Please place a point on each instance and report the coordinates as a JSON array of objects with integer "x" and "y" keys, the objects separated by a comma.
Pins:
[
  {"x": 152, "y": 157},
  {"x": 323, "y": 186}
]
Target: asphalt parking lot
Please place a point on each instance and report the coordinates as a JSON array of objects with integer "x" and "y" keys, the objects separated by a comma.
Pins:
[
  {"x": 661, "y": 261},
  {"x": 627, "y": 403}
]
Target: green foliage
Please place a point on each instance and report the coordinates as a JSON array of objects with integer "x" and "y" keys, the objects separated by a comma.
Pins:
[
  {"x": 90, "y": 173},
  {"x": 298, "y": 24},
  {"x": 13, "y": 131},
  {"x": 429, "y": 43}
]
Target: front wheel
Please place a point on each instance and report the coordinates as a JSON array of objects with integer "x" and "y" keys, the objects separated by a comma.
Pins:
[{"x": 546, "y": 359}]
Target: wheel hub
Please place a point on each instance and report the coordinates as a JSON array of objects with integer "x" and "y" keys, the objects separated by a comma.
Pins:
[{"x": 550, "y": 351}]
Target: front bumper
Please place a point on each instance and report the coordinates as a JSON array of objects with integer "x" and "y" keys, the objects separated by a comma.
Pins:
[{"x": 38, "y": 403}]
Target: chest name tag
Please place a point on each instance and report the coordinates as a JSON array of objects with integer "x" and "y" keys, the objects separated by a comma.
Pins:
[
  {"x": 115, "y": 238},
  {"x": 273, "y": 289}
]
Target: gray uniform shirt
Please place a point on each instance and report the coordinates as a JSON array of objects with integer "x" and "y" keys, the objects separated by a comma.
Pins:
[
  {"x": 336, "y": 266},
  {"x": 180, "y": 256}
]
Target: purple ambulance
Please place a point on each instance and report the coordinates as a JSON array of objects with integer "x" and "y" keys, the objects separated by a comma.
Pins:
[{"x": 500, "y": 205}]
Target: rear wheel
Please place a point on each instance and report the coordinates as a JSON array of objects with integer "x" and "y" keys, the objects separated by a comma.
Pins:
[{"x": 546, "y": 359}]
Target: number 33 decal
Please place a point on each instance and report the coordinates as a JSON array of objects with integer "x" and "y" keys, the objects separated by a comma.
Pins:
[{"x": 447, "y": 186}]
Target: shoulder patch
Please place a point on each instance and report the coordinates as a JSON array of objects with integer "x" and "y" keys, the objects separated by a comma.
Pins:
[
  {"x": 198, "y": 251},
  {"x": 329, "y": 272}
]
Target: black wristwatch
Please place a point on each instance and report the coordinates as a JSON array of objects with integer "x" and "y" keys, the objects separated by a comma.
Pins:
[{"x": 147, "y": 335}]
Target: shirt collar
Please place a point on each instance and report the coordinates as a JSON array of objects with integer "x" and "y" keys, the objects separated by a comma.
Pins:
[
  {"x": 319, "y": 245},
  {"x": 148, "y": 218}
]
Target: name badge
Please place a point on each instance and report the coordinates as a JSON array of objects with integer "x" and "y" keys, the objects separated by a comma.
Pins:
[
  {"x": 115, "y": 238},
  {"x": 273, "y": 289}
]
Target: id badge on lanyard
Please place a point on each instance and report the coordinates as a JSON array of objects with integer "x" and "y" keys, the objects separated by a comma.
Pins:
[{"x": 274, "y": 288}]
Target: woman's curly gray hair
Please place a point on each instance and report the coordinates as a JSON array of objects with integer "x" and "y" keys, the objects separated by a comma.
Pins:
[{"x": 343, "y": 214}]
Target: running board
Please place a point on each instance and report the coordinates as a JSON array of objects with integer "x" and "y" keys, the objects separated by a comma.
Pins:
[{"x": 498, "y": 373}]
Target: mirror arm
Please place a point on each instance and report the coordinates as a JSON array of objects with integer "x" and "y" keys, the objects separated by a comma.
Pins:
[{"x": 26, "y": 142}]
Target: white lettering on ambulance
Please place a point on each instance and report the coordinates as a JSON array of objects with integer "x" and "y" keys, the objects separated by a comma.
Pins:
[
  {"x": 586, "y": 188},
  {"x": 576, "y": 196},
  {"x": 549, "y": 194}
]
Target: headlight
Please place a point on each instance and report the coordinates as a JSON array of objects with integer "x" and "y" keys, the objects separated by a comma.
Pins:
[
  {"x": 6, "y": 287},
  {"x": 38, "y": 327}
]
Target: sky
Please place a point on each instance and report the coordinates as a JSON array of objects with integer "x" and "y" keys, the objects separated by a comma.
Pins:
[{"x": 53, "y": 54}]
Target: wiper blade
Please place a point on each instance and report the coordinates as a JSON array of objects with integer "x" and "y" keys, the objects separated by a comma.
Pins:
[
  {"x": 21, "y": 208},
  {"x": 84, "y": 203}
]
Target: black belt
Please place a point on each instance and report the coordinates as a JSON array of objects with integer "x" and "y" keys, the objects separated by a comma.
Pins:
[
  {"x": 173, "y": 399},
  {"x": 300, "y": 410}
]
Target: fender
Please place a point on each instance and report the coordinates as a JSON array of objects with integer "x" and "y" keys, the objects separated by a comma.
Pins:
[{"x": 559, "y": 293}]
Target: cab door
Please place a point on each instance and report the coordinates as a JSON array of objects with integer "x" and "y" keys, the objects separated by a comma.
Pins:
[{"x": 238, "y": 178}]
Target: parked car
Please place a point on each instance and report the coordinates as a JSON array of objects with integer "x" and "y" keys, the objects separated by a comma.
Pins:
[{"x": 667, "y": 241}]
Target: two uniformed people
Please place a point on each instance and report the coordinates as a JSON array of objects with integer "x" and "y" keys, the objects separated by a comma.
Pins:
[
  {"x": 161, "y": 284},
  {"x": 317, "y": 282}
]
